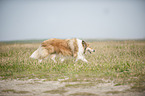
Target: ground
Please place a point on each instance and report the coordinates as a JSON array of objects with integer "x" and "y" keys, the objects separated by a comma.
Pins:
[{"x": 40, "y": 87}]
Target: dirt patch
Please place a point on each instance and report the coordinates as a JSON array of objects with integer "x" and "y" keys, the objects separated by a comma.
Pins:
[{"x": 41, "y": 87}]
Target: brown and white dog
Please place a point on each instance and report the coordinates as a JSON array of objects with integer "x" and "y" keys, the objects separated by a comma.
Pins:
[{"x": 62, "y": 47}]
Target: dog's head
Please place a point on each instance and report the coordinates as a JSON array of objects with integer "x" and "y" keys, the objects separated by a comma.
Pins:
[{"x": 87, "y": 48}]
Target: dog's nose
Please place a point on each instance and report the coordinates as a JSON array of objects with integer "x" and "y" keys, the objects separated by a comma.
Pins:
[{"x": 93, "y": 50}]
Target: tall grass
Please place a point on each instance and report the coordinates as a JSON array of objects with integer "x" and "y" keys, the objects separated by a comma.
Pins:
[{"x": 120, "y": 61}]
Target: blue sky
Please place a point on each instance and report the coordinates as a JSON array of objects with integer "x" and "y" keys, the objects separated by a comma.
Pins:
[{"x": 96, "y": 19}]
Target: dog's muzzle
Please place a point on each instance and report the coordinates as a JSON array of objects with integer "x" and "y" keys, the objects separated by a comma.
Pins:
[{"x": 90, "y": 50}]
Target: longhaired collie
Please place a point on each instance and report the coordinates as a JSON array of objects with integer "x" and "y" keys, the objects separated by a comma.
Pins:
[{"x": 63, "y": 48}]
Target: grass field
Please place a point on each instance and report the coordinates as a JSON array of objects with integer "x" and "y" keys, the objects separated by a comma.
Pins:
[{"x": 122, "y": 62}]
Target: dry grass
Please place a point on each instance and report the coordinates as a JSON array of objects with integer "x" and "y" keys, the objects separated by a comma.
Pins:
[{"x": 120, "y": 61}]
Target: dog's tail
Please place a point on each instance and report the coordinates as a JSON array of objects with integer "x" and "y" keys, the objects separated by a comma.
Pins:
[
  {"x": 35, "y": 54},
  {"x": 40, "y": 53}
]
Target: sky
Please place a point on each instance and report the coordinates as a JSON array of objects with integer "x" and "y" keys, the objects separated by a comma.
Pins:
[{"x": 90, "y": 19}]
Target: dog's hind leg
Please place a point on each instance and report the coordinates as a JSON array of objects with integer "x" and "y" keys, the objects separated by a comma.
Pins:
[
  {"x": 61, "y": 59},
  {"x": 40, "y": 60},
  {"x": 53, "y": 57}
]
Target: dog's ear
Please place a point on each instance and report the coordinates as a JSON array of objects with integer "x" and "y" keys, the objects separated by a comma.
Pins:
[{"x": 84, "y": 45}]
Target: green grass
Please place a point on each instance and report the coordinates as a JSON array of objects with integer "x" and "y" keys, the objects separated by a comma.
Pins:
[
  {"x": 83, "y": 94},
  {"x": 114, "y": 92},
  {"x": 120, "y": 61},
  {"x": 56, "y": 91},
  {"x": 84, "y": 85},
  {"x": 13, "y": 91}
]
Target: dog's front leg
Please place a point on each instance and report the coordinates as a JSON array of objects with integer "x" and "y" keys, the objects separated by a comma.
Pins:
[{"x": 81, "y": 58}]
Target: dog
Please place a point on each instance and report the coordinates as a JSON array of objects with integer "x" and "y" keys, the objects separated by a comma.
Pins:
[{"x": 62, "y": 47}]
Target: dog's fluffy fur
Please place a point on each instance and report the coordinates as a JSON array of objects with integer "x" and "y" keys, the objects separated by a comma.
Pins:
[{"x": 62, "y": 47}]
